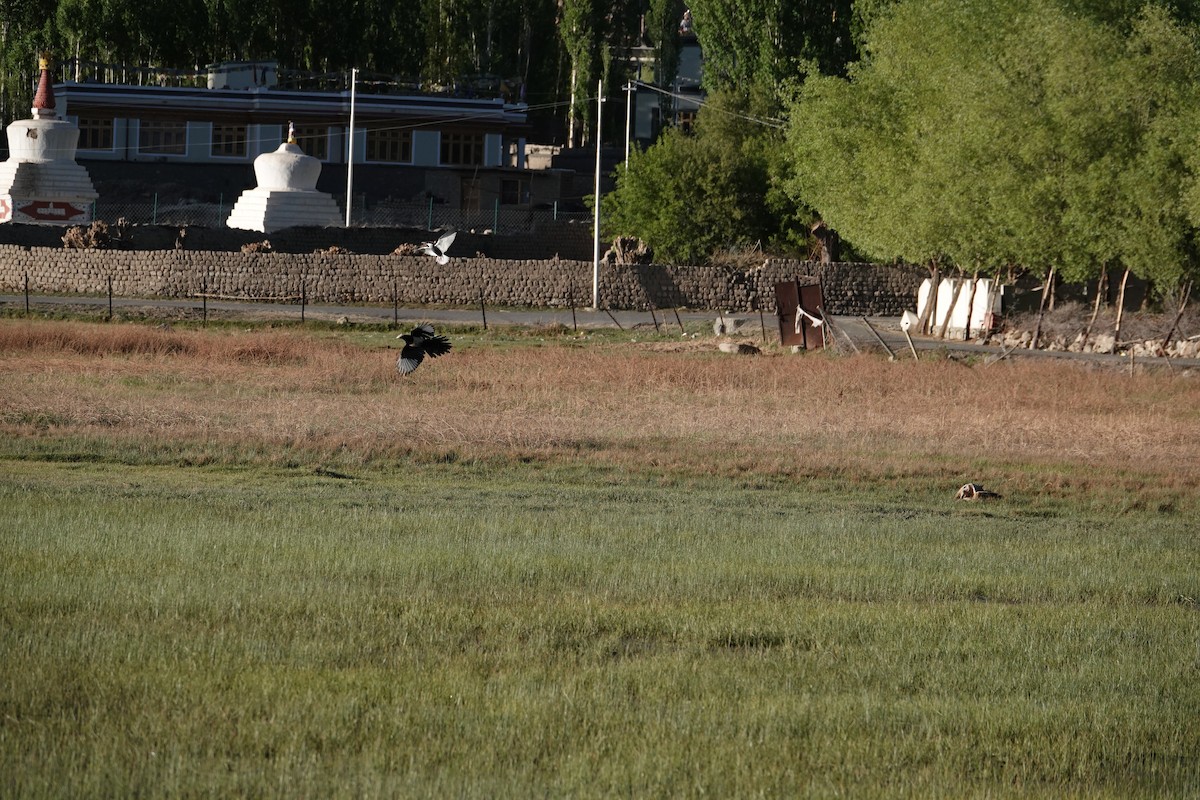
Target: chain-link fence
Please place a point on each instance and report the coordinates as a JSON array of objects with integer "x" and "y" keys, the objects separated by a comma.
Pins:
[{"x": 430, "y": 216}]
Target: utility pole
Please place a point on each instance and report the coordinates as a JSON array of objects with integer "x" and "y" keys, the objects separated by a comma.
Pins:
[
  {"x": 596, "y": 222},
  {"x": 350, "y": 149},
  {"x": 629, "y": 87}
]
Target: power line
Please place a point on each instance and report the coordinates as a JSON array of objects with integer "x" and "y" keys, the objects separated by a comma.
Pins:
[{"x": 767, "y": 122}]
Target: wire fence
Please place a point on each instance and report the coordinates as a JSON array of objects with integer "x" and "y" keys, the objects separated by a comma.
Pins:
[{"x": 430, "y": 216}]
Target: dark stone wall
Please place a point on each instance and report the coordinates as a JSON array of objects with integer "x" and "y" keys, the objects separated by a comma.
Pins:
[{"x": 505, "y": 271}]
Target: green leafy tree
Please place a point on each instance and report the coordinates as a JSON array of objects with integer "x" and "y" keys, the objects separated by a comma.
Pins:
[
  {"x": 26, "y": 28},
  {"x": 662, "y": 33},
  {"x": 986, "y": 134},
  {"x": 690, "y": 196},
  {"x": 591, "y": 32},
  {"x": 771, "y": 42}
]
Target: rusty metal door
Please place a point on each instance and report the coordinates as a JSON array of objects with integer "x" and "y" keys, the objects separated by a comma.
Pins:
[
  {"x": 787, "y": 300},
  {"x": 791, "y": 299}
]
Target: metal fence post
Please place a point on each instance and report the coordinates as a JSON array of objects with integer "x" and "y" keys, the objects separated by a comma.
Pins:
[
  {"x": 496, "y": 217},
  {"x": 429, "y": 226},
  {"x": 154, "y": 211}
]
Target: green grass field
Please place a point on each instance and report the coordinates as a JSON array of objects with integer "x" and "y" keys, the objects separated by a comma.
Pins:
[{"x": 435, "y": 623}]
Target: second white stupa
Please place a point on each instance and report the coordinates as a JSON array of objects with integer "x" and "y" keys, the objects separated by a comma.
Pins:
[{"x": 286, "y": 195}]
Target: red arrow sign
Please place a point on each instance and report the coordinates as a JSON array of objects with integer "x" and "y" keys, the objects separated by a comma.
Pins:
[{"x": 50, "y": 211}]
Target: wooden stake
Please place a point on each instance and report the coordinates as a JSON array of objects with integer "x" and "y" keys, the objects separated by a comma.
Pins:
[
  {"x": 828, "y": 325},
  {"x": 878, "y": 338}
]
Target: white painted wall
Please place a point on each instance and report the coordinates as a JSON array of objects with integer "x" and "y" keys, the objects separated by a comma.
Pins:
[{"x": 978, "y": 313}]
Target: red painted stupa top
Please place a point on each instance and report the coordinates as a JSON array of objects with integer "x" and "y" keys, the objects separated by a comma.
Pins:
[{"x": 43, "y": 99}]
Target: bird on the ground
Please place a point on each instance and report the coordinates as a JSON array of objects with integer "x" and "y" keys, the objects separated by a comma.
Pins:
[
  {"x": 973, "y": 491},
  {"x": 438, "y": 249},
  {"x": 421, "y": 341}
]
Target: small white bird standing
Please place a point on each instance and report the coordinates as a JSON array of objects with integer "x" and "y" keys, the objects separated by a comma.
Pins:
[
  {"x": 438, "y": 249},
  {"x": 421, "y": 341}
]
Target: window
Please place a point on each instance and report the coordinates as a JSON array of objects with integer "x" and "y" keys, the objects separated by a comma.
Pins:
[
  {"x": 514, "y": 192},
  {"x": 229, "y": 140},
  {"x": 389, "y": 145},
  {"x": 313, "y": 140},
  {"x": 162, "y": 138},
  {"x": 95, "y": 133},
  {"x": 462, "y": 148}
]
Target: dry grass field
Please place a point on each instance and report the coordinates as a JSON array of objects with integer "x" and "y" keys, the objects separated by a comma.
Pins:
[{"x": 203, "y": 397}]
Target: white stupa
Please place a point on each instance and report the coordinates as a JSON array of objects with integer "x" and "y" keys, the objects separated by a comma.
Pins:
[
  {"x": 40, "y": 183},
  {"x": 286, "y": 196}
]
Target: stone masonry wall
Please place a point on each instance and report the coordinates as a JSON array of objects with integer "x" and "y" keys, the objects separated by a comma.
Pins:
[{"x": 865, "y": 289}]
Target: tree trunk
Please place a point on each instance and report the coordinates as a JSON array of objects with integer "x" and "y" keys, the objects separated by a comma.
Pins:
[
  {"x": 1037, "y": 327},
  {"x": 1184, "y": 296},
  {"x": 1120, "y": 310},
  {"x": 958, "y": 285},
  {"x": 571, "y": 112},
  {"x": 1101, "y": 288},
  {"x": 935, "y": 277},
  {"x": 971, "y": 305}
]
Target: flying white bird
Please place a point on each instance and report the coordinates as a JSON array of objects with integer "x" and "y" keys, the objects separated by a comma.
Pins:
[
  {"x": 438, "y": 249},
  {"x": 421, "y": 341}
]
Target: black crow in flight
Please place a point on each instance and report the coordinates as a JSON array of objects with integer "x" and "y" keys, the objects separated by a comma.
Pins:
[{"x": 421, "y": 341}]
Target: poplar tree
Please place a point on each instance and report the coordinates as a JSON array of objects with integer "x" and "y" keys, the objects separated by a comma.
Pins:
[{"x": 995, "y": 134}]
